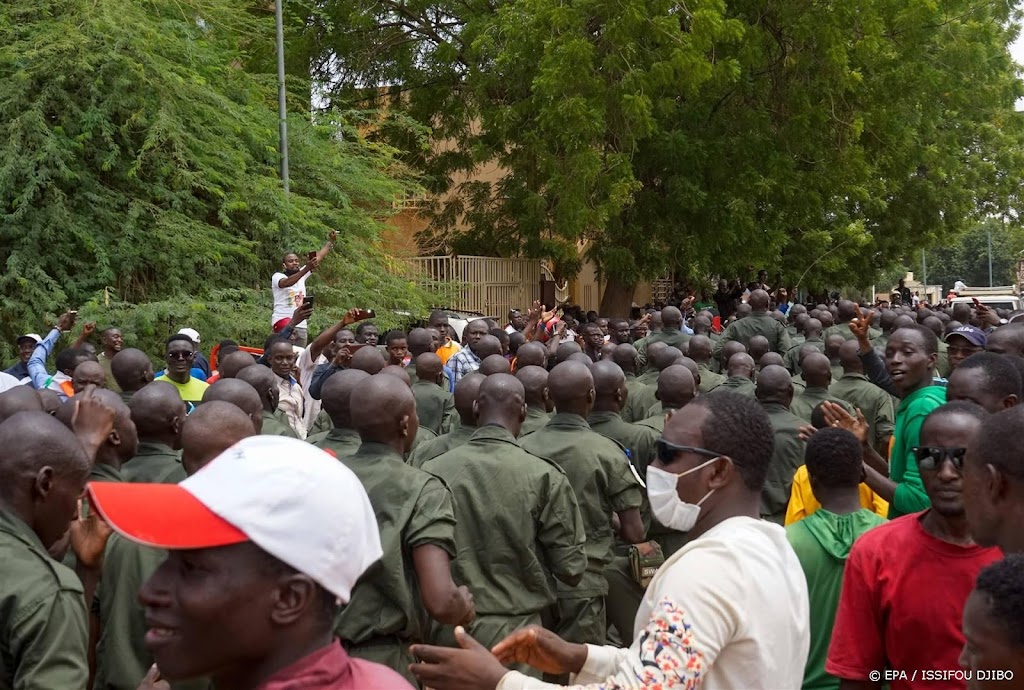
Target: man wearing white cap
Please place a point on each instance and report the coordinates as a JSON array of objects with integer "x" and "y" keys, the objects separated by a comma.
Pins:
[
  {"x": 200, "y": 361},
  {"x": 248, "y": 593},
  {"x": 26, "y": 344}
]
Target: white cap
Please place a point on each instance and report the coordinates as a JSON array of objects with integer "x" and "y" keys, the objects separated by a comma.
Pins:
[
  {"x": 293, "y": 500},
  {"x": 192, "y": 333},
  {"x": 35, "y": 336}
]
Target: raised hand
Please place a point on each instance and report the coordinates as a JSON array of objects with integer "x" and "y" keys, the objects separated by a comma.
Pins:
[
  {"x": 332, "y": 236},
  {"x": 860, "y": 325},
  {"x": 88, "y": 329},
  {"x": 838, "y": 417},
  {"x": 301, "y": 313},
  {"x": 67, "y": 321},
  {"x": 313, "y": 263},
  {"x": 342, "y": 356},
  {"x": 91, "y": 420},
  {"x": 89, "y": 535},
  {"x": 541, "y": 649}
]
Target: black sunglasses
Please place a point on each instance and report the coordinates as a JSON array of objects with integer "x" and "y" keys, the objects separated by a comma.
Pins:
[
  {"x": 668, "y": 451},
  {"x": 180, "y": 355},
  {"x": 931, "y": 458}
]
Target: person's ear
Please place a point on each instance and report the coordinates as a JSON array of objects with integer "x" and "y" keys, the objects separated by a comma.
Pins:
[
  {"x": 293, "y": 597},
  {"x": 114, "y": 438},
  {"x": 43, "y": 483},
  {"x": 721, "y": 473},
  {"x": 176, "y": 424},
  {"x": 591, "y": 395},
  {"x": 1010, "y": 401},
  {"x": 996, "y": 486}
]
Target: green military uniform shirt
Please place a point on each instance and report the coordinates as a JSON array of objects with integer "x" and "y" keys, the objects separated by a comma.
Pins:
[
  {"x": 154, "y": 463},
  {"x": 434, "y": 406},
  {"x": 786, "y": 459},
  {"x": 341, "y": 442},
  {"x": 742, "y": 330},
  {"x": 634, "y": 411},
  {"x": 446, "y": 382},
  {"x": 657, "y": 421},
  {"x": 638, "y": 440},
  {"x": 792, "y": 356},
  {"x": 102, "y": 472},
  {"x": 441, "y": 445},
  {"x": 709, "y": 380},
  {"x": 44, "y": 632},
  {"x": 646, "y": 398},
  {"x": 799, "y": 385},
  {"x": 104, "y": 362},
  {"x": 536, "y": 418},
  {"x": 518, "y": 523},
  {"x": 875, "y": 403},
  {"x": 413, "y": 509},
  {"x": 673, "y": 338},
  {"x": 276, "y": 424},
  {"x": 736, "y": 384},
  {"x": 321, "y": 425},
  {"x": 803, "y": 405},
  {"x": 604, "y": 484}
]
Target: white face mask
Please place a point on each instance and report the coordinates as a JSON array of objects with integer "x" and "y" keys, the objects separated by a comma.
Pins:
[{"x": 668, "y": 508}]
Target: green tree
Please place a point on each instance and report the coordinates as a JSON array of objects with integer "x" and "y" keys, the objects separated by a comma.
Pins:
[
  {"x": 966, "y": 258},
  {"x": 140, "y": 156},
  {"x": 702, "y": 136}
]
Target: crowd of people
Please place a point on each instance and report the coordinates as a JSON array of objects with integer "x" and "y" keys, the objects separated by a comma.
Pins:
[{"x": 744, "y": 492}]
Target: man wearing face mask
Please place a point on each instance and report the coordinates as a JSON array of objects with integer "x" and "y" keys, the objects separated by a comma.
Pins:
[{"x": 728, "y": 610}]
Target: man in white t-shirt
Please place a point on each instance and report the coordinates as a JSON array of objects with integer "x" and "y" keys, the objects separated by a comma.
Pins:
[
  {"x": 728, "y": 611},
  {"x": 289, "y": 287}
]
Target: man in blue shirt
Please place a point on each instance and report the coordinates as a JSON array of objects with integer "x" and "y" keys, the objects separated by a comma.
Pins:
[{"x": 26, "y": 345}]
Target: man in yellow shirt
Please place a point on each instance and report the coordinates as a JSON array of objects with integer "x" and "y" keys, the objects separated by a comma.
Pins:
[{"x": 180, "y": 354}]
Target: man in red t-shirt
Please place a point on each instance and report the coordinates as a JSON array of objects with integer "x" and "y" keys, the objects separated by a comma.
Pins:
[{"x": 906, "y": 581}]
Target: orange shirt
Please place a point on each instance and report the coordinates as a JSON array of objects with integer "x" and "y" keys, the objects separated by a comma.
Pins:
[{"x": 447, "y": 350}]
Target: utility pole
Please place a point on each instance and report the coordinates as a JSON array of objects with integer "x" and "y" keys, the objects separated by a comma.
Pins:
[
  {"x": 989, "y": 227},
  {"x": 281, "y": 107},
  {"x": 924, "y": 273}
]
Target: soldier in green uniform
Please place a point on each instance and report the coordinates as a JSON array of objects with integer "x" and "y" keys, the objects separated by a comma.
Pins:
[
  {"x": 263, "y": 380},
  {"x": 846, "y": 312},
  {"x": 420, "y": 341},
  {"x": 741, "y": 376},
  {"x": 700, "y": 352},
  {"x": 731, "y": 348},
  {"x": 518, "y": 522},
  {"x": 158, "y": 413},
  {"x": 757, "y": 348},
  {"x": 465, "y": 395},
  {"x": 818, "y": 375},
  {"x": 132, "y": 368},
  {"x": 876, "y": 405},
  {"x": 812, "y": 332},
  {"x": 337, "y": 394},
  {"x": 935, "y": 325},
  {"x": 611, "y": 395},
  {"x": 531, "y": 354},
  {"x": 676, "y": 388},
  {"x": 671, "y": 334},
  {"x": 434, "y": 404},
  {"x": 650, "y": 376},
  {"x": 832, "y": 345},
  {"x": 119, "y": 447},
  {"x": 647, "y": 397},
  {"x": 494, "y": 364},
  {"x": 887, "y": 324},
  {"x": 122, "y": 658},
  {"x": 775, "y": 393},
  {"x": 538, "y": 401},
  {"x": 758, "y": 322},
  {"x": 43, "y": 629},
  {"x": 625, "y": 356},
  {"x": 417, "y": 532},
  {"x": 241, "y": 395},
  {"x": 599, "y": 473}
]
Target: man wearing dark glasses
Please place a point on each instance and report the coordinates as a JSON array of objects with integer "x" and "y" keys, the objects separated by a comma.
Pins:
[
  {"x": 906, "y": 581},
  {"x": 728, "y": 610},
  {"x": 180, "y": 354}
]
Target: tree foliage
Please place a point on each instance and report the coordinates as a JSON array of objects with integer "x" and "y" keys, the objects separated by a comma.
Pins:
[
  {"x": 140, "y": 155},
  {"x": 966, "y": 257},
  {"x": 701, "y": 135}
]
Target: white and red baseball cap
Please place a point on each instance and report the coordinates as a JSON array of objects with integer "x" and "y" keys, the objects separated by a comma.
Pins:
[{"x": 291, "y": 499}]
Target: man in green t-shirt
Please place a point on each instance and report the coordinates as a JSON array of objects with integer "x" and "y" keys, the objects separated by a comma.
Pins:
[{"x": 823, "y": 539}]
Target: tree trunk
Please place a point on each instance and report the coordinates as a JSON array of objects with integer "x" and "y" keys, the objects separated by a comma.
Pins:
[{"x": 617, "y": 299}]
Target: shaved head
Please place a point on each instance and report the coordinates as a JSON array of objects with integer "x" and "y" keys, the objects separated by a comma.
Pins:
[
  {"x": 386, "y": 412},
  {"x": 666, "y": 357},
  {"x": 730, "y": 349},
  {"x": 676, "y": 387},
  {"x": 132, "y": 369},
  {"x": 419, "y": 341},
  {"x": 263, "y": 380},
  {"x": 214, "y": 427},
  {"x": 817, "y": 370},
  {"x": 741, "y": 364},
  {"x": 158, "y": 413},
  {"x": 487, "y": 346},
  {"x": 531, "y": 354},
  {"x": 51, "y": 401},
  {"x": 571, "y": 386},
  {"x": 700, "y": 349},
  {"x": 566, "y": 350},
  {"x": 654, "y": 348},
  {"x": 495, "y": 364},
  {"x": 813, "y": 328},
  {"x": 368, "y": 359},
  {"x": 501, "y": 400},
  {"x": 535, "y": 385},
  {"x": 770, "y": 359},
  {"x": 849, "y": 357},
  {"x": 625, "y": 356},
  {"x": 45, "y": 469},
  {"x": 428, "y": 367},
  {"x": 671, "y": 318},
  {"x": 336, "y": 395},
  {"x": 88, "y": 373},
  {"x": 19, "y": 399},
  {"x": 398, "y": 372},
  {"x": 234, "y": 363},
  {"x": 774, "y": 385},
  {"x": 608, "y": 379},
  {"x": 759, "y": 346},
  {"x": 759, "y": 300},
  {"x": 240, "y": 394},
  {"x": 465, "y": 395}
]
